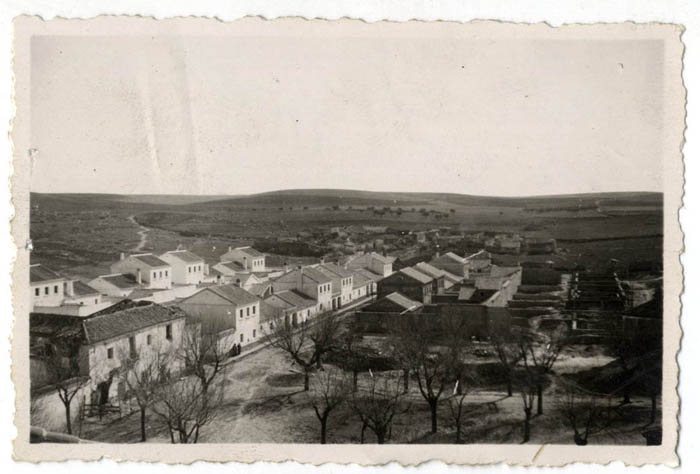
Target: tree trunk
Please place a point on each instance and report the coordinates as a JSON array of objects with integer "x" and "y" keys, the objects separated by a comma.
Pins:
[
  {"x": 458, "y": 435},
  {"x": 510, "y": 387},
  {"x": 580, "y": 440},
  {"x": 306, "y": 380},
  {"x": 318, "y": 363},
  {"x": 433, "y": 416},
  {"x": 526, "y": 431},
  {"x": 143, "y": 424},
  {"x": 354, "y": 380},
  {"x": 69, "y": 428},
  {"x": 380, "y": 436},
  {"x": 324, "y": 419},
  {"x": 405, "y": 380},
  {"x": 362, "y": 432},
  {"x": 539, "y": 399}
]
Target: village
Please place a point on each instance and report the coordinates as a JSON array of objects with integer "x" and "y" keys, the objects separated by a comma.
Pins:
[{"x": 385, "y": 323}]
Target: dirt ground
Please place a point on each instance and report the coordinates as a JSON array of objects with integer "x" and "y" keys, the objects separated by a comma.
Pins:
[{"x": 264, "y": 402}]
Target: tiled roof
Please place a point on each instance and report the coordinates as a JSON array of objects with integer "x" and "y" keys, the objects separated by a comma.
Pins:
[
  {"x": 121, "y": 280},
  {"x": 455, "y": 257},
  {"x": 250, "y": 251},
  {"x": 297, "y": 299},
  {"x": 235, "y": 295},
  {"x": 359, "y": 280},
  {"x": 151, "y": 260},
  {"x": 429, "y": 270},
  {"x": 416, "y": 275},
  {"x": 480, "y": 255},
  {"x": 369, "y": 274},
  {"x": 316, "y": 275},
  {"x": 235, "y": 266},
  {"x": 259, "y": 288},
  {"x": 382, "y": 258},
  {"x": 337, "y": 269},
  {"x": 403, "y": 301},
  {"x": 473, "y": 295},
  {"x": 81, "y": 289},
  {"x": 39, "y": 272},
  {"x": 186, "y": 256},
  {"x": 278, "y": 302},
  {"x": 115, "y": 324}
]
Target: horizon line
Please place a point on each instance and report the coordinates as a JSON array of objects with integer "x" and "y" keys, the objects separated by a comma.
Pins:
[{"x": 520, "y": 196}]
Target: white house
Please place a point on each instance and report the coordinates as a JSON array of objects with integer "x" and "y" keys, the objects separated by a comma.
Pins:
[
  {"x": 308, "y": 281},
  {"x": 249, "y": 258},
  {"x": 187, "y": 267},
  {"x": 47, "y": 286},
  {"x": 149, "y": 270}
]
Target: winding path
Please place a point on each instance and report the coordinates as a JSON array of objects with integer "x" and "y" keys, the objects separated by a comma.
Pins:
[{"x": 143, "y": 234}]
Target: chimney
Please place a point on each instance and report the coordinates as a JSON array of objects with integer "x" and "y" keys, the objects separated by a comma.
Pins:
[
  {"x": 300, "y": 278},
  {"x": 138, "y": 276},
  {"x": 69, "y": 288},
  {"x": 121, "y": 256}
]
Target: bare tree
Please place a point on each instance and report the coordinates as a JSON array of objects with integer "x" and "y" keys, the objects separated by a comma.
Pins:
[
  {"x": 431, "y": 368},
  {"x": 378, "y": 405},
  {"x": 539, "y": 350},
  {"x": 456, "y": 404},
  {"x": 203, "y": 353},
  {"x": 307, "y": 344},
  {"x": 143, "y": 377},
  {"x": 509, "y": 355},
  {"x": 184, "y": 407},
  {"x": 586, "y": 413},
  {"x": 63, "y": 372},
  {"x": 328, "y": 391},
  {"x": 528, "y": 392}
]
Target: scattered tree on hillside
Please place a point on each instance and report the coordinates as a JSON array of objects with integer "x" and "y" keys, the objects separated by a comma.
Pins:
[
  {"x": 456, "y": 404},
  {"x": 378, "y": 405},
  {"x": 203, "y": 353},
  {"x": 328, "y": 391}
]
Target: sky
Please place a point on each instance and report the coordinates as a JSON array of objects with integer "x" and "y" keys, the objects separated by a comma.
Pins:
[{"x": 248, "y": 114}]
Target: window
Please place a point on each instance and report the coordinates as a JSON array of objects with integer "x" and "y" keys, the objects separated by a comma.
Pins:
[
  {"x": 46, "y": 290},
  {"x": 55, "y": 289},
  {"x": 189, "y": 269},
  {"x": 154, "y": 275},
  {"x": 36, "y": 292},
  {"x": 160, "y": 274},
  {"x": 253, "y": 332},
  {"x": 247, "y": 311},
  {"x": 110, "y": 353},
  {"x": 148, "y": 339},
  {"x": 166, "y": 273},
  {"x": 169, "y": 332},
  {"x": 240, "y": 313},
  {"x": 132, "y": 347},
  {"x": 253, "y": 309},
  {"x": 96, "y": 301},
  {"x": 241, "y": 337}
]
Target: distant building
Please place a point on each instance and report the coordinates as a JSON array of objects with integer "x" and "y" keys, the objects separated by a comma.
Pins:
[
  {"x": 116, "y": 284},
  {"x": 47, "y": 286},
  {"x": 409, "y": 282},
  {"x": 187, "y": 267},
  {"x": 373, "y": 261},
  {"x": 448, "y": 279},
  {"x": 148, "y": 270},
  {"x": 226, "y": 310},
  {"x": 479, "y": 261},
  {"x": 451, "y": 262},
  {"x": 249, "y": 258},
  {"x": 294, "y": 308}
]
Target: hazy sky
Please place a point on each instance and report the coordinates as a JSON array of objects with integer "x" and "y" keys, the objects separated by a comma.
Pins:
[{"x": 217, "y": 115}]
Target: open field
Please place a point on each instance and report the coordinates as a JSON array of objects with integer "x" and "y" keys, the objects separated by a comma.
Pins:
[{"x": 82, "y": 234}]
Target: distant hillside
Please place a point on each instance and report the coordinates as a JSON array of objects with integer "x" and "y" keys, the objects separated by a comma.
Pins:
[{"x": 342, "y": 197}]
